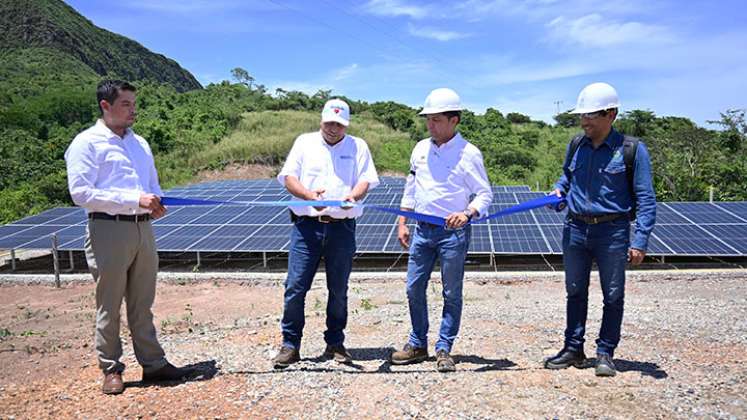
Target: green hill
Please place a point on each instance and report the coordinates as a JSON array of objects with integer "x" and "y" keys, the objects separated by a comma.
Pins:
[
  {"x": 51, "y": 59},
  {"x": 52, "y": 40},
  {"x": 266, "y": 137}
]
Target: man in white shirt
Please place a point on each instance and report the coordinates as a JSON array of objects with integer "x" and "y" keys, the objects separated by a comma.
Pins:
[
  {"x": 323, "y": 165},
  {"x": 445, "y": 171},
  {"x": 112, "y": 175}
]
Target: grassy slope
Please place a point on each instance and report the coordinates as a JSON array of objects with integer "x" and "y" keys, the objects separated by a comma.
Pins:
[{"x": 267, "y": 136}]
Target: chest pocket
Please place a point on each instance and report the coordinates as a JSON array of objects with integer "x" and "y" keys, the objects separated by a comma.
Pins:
[
  {"x": 345, "y": 169},
  {"x": 576, "y": 163},
  {"x": 615, "y": 168},
  {"x": 112, "y": 160}
]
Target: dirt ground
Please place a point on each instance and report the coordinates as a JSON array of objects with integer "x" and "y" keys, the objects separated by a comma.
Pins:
[
  {"x": 683, "y": 353},
  {"x": 238, "y": 171}
]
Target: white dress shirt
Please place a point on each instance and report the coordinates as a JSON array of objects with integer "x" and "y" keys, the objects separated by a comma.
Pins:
[
  {"x": 336, "y": 169},
  {"x": 107, "y": 173},
  {"x": 442, "y": 179}
]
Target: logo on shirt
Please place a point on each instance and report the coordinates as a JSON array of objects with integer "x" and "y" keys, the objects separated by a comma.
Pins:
[{"x": 347, "y": 157}]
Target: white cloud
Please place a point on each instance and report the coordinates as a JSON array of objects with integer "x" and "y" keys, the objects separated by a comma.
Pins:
[
  {"x": 346, "y": 72},
  {"x": 437, "y": 34},
  {"x": 393, "y": 8},
  {"x": 187, "y": 7},
  {"x": 593, "y": 30}
]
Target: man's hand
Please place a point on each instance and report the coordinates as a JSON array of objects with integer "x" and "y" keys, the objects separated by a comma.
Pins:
[
  {"x": 316, "y": 195},
  {"x": 561, "y": 206},
  {"x": 349, "y": 199},
  {"x": 152, "y": 203},
  {"x": 635, "y": 256},
  {"x": 403, "y": 234},
  {"x": 456, "y": 220}
]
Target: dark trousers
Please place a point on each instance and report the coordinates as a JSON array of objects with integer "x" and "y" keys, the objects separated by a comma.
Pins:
[
  {"x": 310, "y": 240},
  {"x": 608, "y": 244}
]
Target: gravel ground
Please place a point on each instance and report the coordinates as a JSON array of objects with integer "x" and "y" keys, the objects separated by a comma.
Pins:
[{"x": 683, "y": 352}]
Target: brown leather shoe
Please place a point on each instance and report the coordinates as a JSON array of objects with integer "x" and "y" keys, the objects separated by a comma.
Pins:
[
  {"x": 444, "y": 362},
  {"x": 167, "y": 373},
  {"x": 409, "y": 354},
  {"x": 286, "y": 357},
  {"x": 113, "y": 383},
  {"x": 339, "y": 353}
]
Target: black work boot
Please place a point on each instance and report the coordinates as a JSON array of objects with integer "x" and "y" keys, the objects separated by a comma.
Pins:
[
  {"x": 605, "y": 367},
  {"x": 339, "y": 353},
  {"x": 566, "y": 358}
]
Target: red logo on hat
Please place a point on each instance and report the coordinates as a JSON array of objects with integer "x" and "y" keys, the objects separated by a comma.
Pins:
[{"x": 337, "y": 111}]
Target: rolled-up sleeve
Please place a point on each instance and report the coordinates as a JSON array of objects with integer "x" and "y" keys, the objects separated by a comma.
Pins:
[
  {"x": 82, "y": 172},
  {"x": 478, "y": 183},
  {"x": 408, "y": 195}
]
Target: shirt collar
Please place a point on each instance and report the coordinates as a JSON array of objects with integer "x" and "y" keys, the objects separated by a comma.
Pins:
[
  {"x": 108, "y": 133},
  {"x": 332, "y": 146},
  {"x": 453, "y": 142},
  {"x": 614, "y": 139}
]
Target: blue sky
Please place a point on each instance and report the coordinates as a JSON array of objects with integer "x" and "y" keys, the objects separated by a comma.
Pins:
[{"x": 683, "y": 58}]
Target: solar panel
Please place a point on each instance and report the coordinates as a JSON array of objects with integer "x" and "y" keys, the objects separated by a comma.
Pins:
[
  {"x": 519, "y": 239},
  {"x": 703, "y": 213},
  {"x": 480, "y": 242},
  {"x": 692, "y": 240},
  {"x": 267, "y": 238},
  {"x": 734, "y": 235},
  {"x": 504, "y": 198},
  {"x": 523, "y": 218},
  {"x": 682, "y": 228},
  {"x": 372, "y": 238},
  {"x": 554, "y": 236},
  {"x": 547, "y": 216}
]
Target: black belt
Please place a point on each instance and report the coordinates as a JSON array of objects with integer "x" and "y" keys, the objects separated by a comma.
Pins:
[
  {"x": 120, "y": 217},
  {"x": 321, "y": 219},
  {"x": 593, "y": 220},
  {"x": 430, "y": 225}
]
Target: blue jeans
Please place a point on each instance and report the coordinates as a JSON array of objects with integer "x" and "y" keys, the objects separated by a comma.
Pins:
[
  {"x": 427, "y": 243},
  {"x": 310, "y": 240},
  {"x": 608, "y": 244}
]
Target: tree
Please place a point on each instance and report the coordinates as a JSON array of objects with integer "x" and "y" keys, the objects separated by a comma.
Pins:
[
  {"x": 636, "y": 123},
  {"x": 734, "y": 135},
  {"x": 242, "y": 76},
  {"x": 517, "y": 118},
  {"x": 566, "y": 119}
]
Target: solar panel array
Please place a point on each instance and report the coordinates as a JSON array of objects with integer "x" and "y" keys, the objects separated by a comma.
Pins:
[{"x": 682, "y": 228}]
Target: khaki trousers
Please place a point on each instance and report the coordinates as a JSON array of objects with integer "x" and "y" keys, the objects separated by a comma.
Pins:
[{"x": 123, "y": 260}]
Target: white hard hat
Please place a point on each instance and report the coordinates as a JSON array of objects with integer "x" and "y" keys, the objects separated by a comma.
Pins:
[
  {"x": 441, "y": 100},
  {"x": 336, "y": 110},
  {"x": 596, "y": 97}
]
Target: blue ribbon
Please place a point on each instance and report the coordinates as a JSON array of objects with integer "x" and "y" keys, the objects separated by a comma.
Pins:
[
  {"x": 178, "y": 201},
  {"x": 553, "y": 201},
  {"x": 434, "y": 220},
  {"x": 558, "y": 203}
]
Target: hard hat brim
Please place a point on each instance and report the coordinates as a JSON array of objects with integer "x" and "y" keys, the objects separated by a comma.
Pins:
[
  {"x": 594, "y": 109},
  {"x": 430, "y": 111}
]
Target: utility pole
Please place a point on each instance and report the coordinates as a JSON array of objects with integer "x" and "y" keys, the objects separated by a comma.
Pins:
[{"x": 557, "y": 107}]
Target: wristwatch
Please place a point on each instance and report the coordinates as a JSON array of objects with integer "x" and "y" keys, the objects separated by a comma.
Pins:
[{"x": 469, "y": 213}]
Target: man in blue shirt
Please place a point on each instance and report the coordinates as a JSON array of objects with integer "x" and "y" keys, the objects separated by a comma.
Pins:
[{"x": 601, "y": 201}]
